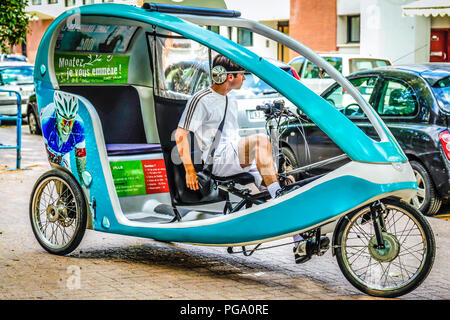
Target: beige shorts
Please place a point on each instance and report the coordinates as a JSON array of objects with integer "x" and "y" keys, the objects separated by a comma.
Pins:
[{"x": 226, "y": 163}]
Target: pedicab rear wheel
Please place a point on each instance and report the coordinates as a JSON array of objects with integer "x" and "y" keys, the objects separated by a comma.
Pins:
[
  {"x": 404, "y": 262},
  {"x": 58, "y": 212}
]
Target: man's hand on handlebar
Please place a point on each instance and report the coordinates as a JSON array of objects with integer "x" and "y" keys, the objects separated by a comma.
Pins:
[{"x": 287, "y": 180}]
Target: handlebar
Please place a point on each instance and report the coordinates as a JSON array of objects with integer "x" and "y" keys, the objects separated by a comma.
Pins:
[{"x": 271, "y": 108}]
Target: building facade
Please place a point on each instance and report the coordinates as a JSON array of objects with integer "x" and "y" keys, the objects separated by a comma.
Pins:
[
  {"x": 403, "y": 31},
  {"x": 264, "y": 11}
]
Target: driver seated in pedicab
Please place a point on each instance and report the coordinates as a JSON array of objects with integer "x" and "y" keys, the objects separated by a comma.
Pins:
[{"x": 233, "y": 155}]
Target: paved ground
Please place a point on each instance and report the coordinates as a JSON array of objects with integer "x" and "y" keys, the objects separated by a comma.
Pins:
[{"x": 118, "y": 267}]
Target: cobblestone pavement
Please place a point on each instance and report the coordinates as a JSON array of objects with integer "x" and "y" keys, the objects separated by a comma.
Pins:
[{"x": 109, "y": 266}]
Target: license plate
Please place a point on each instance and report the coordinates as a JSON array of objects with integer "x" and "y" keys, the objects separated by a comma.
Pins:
[{"x": 256, "y": 115}]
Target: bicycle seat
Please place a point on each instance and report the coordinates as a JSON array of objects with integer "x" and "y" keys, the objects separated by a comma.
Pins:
[{"x": 241, "y": 178}]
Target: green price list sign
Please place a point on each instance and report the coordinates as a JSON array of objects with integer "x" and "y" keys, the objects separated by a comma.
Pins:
[
  {"x": 128, "y": 178},
  {"x": 91, "y": 68}
]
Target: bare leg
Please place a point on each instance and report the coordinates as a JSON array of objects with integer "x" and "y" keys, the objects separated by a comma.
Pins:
[{"x": 257, "y": 148}]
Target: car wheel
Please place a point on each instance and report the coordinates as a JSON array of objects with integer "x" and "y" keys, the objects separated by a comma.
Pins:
[
  {"x": 291, "y": 161},
  {"x": 33, "y": 123},
  {"x": 426, "y": 200}
]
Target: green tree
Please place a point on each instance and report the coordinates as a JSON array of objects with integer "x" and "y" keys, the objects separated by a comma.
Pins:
[{"x": 13, "y": 23}]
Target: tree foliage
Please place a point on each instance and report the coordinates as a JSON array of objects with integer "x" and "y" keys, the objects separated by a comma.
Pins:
[{"x": 13, "y": 23}]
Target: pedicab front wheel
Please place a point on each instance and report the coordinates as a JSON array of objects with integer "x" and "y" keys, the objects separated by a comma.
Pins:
[
  {"x": 58, "y": 212},
  {"x": 397, "y": 267}
]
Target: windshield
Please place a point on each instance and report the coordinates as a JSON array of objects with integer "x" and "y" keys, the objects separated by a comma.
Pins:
[
  {"x": 360, "y": 64},
  {"x": 442, "y": 92},
  {"x": 253, "y": 87},
  {"x": 297, "y": 63},
  {"x": 312, "y": 71},
  {"x": 19, "y": 75},
  {"x": 15, "y": 58}
]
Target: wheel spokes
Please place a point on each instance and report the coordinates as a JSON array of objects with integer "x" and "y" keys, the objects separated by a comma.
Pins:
[
  {"x": 395, "y": 270},
  {"x": 55, "y": 200}
]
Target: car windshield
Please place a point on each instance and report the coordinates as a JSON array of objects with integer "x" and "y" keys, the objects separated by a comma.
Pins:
[
  {"x": 253, "y": 87},
  {"x": 360, "y": 64},
  {"x": 15, "y": 58},
  {"x": 442, "y": 91},
  {"x": 312, "y": 71},
  {"x": 17, "y": 75},
  {"x": 297, "y": 64}
]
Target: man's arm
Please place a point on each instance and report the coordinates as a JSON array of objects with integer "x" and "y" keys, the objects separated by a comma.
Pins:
[{"x": 182, "y": 141}]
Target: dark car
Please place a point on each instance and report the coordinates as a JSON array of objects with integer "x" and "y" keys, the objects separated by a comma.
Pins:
[
  {"x": 33, "y": 115},
  {"x": 414, "y": 102}
]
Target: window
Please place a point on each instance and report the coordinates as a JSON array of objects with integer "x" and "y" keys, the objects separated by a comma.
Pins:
[
  {"x": 442, "y": 92},
  {"x": 230, "y": 33},
  {"x": 36, "y": 2},
  {"x": 182, "y": 66},
  {"x": 17, "y": 76},
  {"x": 353, "y": 28},
  {"x": 359, "y": 64},
  {"x": 311, "y": 71},
  {"x": 245, "y": 38},
  {"x": 214, "y": 29},
  {"x": 100, "y": 38},
  {"x": 88, "y": 1},
  {"x": 344, "y": 102},
  {"x": 297, "y": 64},
  {"x": 52, "y": 1},
  {"x": 254, "y": 88},
  {"x": 396, "y": 100},
  {"x": 69, "y": 3}
]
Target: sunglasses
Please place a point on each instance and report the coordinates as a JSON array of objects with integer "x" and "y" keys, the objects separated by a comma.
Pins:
[{"x": 66, "y": 123}]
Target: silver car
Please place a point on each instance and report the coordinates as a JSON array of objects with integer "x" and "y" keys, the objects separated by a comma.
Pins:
[
  {"x": 17, "y": 77},
  {"x": 13, "y": 57}
]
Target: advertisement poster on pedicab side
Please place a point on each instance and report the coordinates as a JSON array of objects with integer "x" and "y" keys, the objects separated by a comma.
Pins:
[
  {"x": 91, "y": 68},
  {"x": 139, "y": 177}
]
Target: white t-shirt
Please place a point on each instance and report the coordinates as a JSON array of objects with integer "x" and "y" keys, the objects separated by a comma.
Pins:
[{"x": 203, "y": 114}]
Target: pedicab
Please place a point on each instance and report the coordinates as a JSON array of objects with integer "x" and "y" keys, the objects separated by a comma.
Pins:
[{"x": 110, "y": 97}]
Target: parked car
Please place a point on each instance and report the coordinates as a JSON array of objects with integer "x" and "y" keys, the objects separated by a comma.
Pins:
[
  {"x": 188, "y": 77},
  {"x": 34, "y": 123},
  {"x": 414, "y": 102},
  {"x": 254, "y": 92},
  {"x": 13, "y": 57},
  {"x": 17, "y": 76},
  {"x": 310, "y": 74}
]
